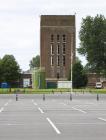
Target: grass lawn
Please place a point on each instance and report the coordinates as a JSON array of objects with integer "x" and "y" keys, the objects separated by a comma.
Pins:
[{"x": 50, "y": 91}]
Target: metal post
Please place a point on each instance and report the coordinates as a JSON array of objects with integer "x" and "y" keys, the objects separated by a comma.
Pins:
[
  {"x": 70, "y": 97},
  {"x": 97, "y": 97},
  {"x": 43, "y": 97},
  {"x": 16, "y": 97},
  {"x": 71, "y": 64}
]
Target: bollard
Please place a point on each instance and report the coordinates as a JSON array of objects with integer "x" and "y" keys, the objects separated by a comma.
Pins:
[
  {"x": 43, "y": 97},
  {"x": 97, "y": 97},
  {"x": 16, "y": 97},
  {"x": 70, "y": 97}
]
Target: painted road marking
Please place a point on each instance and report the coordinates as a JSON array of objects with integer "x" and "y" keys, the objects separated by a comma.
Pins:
[
  {"x": 54, "y": 127},
  {"x": 6, "y": 104},
  {"x": 40, "y": 110},
  {"x": 1, "y": 109},
  {"x": 13, "y": 124},
  {"x": 78, "y": 110},
  {"x": 35, "y": 103},
  {"x": 102, "y": 119},
  {"x": 63, "y": 104}
]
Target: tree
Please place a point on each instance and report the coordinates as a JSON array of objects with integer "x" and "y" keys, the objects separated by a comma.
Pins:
[
  {"x": 79, "y": 75},
  {"x": 1, "y": 71},
  {"x": 10, "y": 69},
  {"x": 35, "y": 62},
  {"x": 93, "y": 42}
]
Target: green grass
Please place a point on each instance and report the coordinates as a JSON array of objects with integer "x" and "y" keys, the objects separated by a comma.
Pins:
[{"x": 49, "y": 91}]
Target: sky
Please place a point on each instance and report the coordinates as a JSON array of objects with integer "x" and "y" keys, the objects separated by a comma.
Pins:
[{"x": 20, "y": 24}]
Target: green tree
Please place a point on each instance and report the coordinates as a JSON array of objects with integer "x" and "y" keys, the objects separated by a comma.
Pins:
[
  {"x": 93, "y": 42},
  {"x": 10, "y": 69},
  {"x": 35, "y": 62},
  {"x": 1, "y": 73},
  {"x": 78, "y": 75}
]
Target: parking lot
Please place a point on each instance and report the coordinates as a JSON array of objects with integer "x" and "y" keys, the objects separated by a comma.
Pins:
[{"x": 53, "y": 117}]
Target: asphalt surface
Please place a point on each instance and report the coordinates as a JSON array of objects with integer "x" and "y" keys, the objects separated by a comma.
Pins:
[{"x": 53, "y": 117}]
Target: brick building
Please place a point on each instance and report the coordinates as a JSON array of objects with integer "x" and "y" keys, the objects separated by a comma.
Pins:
[{"x": 57, "y": 41}]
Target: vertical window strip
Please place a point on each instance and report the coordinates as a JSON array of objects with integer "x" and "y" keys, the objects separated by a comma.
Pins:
[
  {"x": 64, "y": 38},
  {"x": 58, "y": 38},
  {"x": 58, "y": 48},
  {"x": 63, "y": 60},
  {"x": 58, "y": 61},
  {"x": 64, "y": 48},
  {"x": 52, "y": 38},
  {"x": 52, "y": 61},
  {"x": 52, "y": 49}
]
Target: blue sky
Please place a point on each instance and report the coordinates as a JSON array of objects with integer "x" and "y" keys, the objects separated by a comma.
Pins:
[{"x": 20, "y": 23}]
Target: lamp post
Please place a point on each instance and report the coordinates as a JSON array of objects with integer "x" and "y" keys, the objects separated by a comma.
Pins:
[
  {"x": 71, "y": 71},
  {"x": 71, "y": 68},
  {"x": 72, "y": 46}
]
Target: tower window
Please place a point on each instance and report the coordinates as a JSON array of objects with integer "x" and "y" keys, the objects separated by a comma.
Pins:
[
  {"x": 52, "y": 49},
  {"x": 63, "y": 60},
  {"x": 64, "y": 38},
  {"x": 58, "y": 75},
  {"x": 64, "y": 48},
  {"x": 52, "y": 38},
  {"x": 58, "y": 38},
  {"x": 58, "y": 60},
  {"x": 52, "y": 61},
  {"x": 58, "y": 48}
]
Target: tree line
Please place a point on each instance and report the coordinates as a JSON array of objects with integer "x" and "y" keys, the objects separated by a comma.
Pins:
[{"x": 9, "y": 70}]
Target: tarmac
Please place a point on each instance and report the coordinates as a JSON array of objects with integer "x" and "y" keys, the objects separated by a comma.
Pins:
[{"x": 53, "y": 117}]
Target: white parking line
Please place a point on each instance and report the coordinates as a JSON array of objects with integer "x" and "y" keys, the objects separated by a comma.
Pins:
[
  {"x": 63, "y": 104},
  {"x": 78, "y": 110},
  {"x": 102, "y": 119},
  {"x": 35, "y": 103},
  {"x": 13, "y": 124},
  {"x": 1, "y": 109},
  {"x": 54, "y": 127},
  {"x": 40, "y": 110},
  {"x": 6, "y": 104}
]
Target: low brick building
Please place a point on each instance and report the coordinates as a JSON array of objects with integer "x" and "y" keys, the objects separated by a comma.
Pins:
[
  {"x": 26, "y": 79},
  {"x": 93, "y": 78}
]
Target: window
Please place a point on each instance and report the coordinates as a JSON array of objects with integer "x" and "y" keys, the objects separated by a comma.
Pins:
[
  {"x": 64, "y": 48},
  {"x": 58, "y": 60},
  {"x": 58, "y": 48},
  {"x": 58, "y": 38},
  {"x": 52, "y": 61},
  {"x": 52, "y": 49},
  {"x": 64, "y": 38},
  {"x": 52, "y": 38},
  {"x": 58, "y": 75},
  {"x": 63, "y": 60}
]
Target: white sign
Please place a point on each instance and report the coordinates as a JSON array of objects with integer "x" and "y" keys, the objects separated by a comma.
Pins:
[
  {"x": 26, "y": 82},
  {"x": 64, "y": 84}
]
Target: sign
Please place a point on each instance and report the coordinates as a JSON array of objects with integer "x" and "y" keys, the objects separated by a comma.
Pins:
[
  {"x": 64, "y": 84},
  {"x": 26, "y": 82}
]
